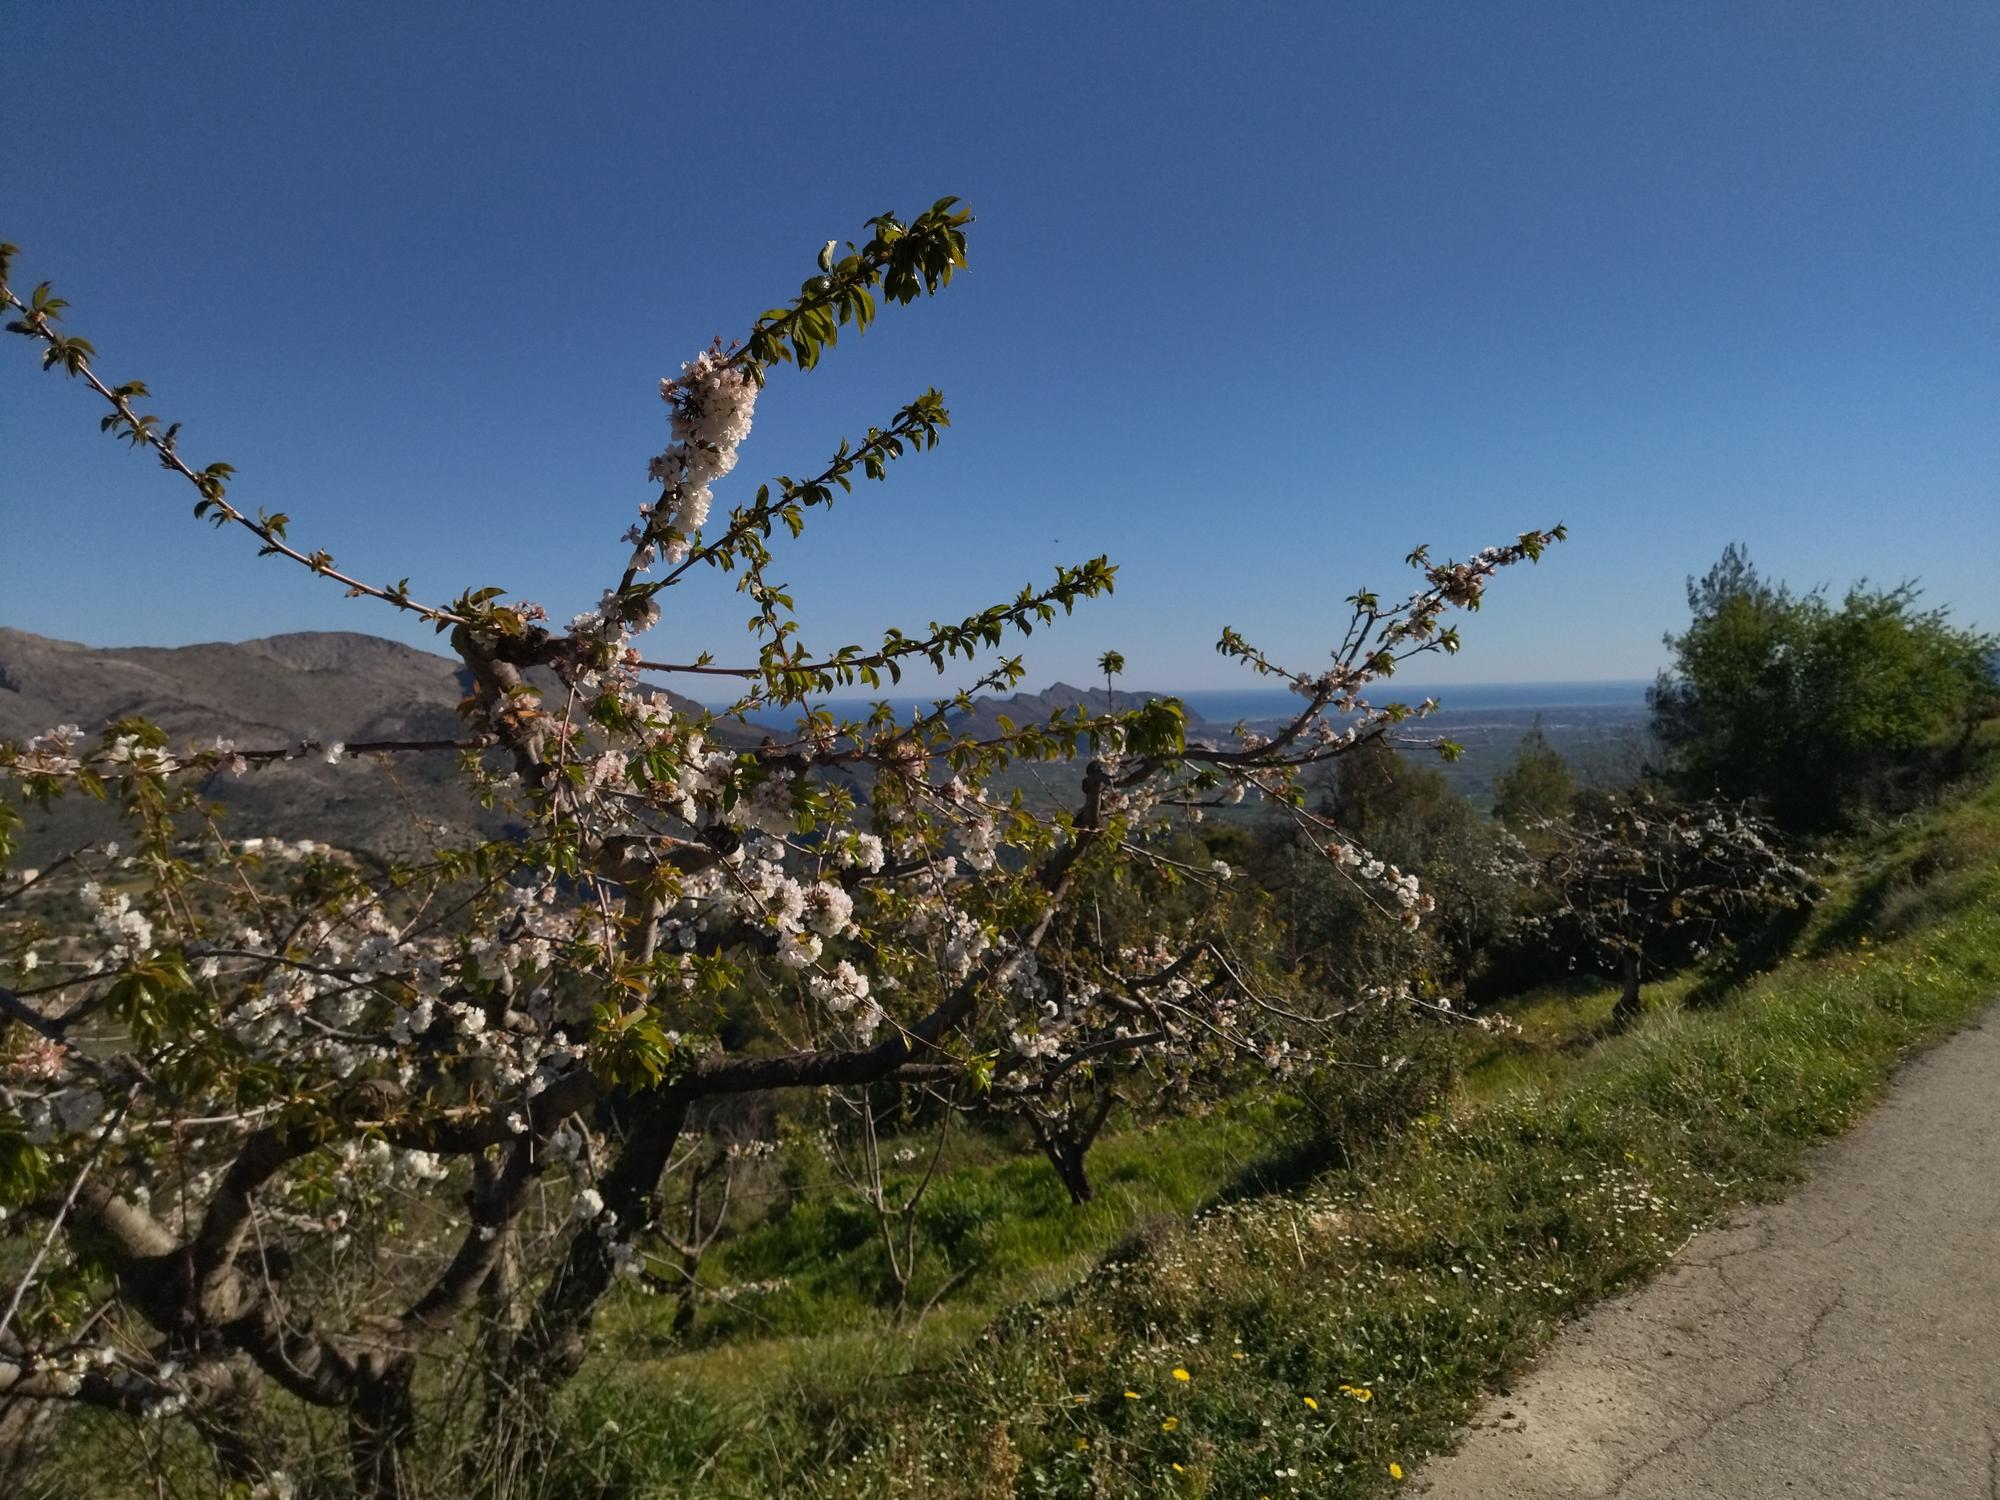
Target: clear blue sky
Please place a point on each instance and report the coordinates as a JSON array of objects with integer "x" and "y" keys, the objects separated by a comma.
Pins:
[{"x": 1260, "y": 297}]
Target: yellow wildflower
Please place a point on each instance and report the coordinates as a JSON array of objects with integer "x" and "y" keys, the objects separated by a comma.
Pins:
[
  {"x": 1395, "y": 1471},
  {"x": 1081, "y": 1444},
  {"x": 1170, "y": 1424},
  {"x": 1180, "y": 1374},
  {"x": 1312, "y": 1403},
  {"x": 1131, "y": 1395}
]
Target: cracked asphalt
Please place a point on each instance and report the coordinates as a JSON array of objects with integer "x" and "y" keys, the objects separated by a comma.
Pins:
[{"x": 1843, "y": 1343}]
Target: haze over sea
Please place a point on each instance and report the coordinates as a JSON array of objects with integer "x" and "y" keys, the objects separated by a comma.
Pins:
[{"x": 1227, "y": 705}]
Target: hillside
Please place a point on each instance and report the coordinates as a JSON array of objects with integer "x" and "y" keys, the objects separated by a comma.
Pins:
[
  {"x": 323, "y": 685},
  {"x": 983, "y": 722}
]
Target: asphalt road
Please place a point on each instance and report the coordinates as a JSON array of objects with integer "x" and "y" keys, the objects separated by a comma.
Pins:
[{"x": 1843, "y": 1344}]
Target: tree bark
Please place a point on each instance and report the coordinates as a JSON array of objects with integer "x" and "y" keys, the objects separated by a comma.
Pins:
[
  {"x": 1067, "y": 1157},
  {"x": 381, "y": 1424},
  {"x": 551, "y": 1348},
  {"x": 1627, "y": 1010}
]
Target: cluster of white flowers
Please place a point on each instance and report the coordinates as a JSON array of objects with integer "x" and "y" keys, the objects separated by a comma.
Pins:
[
  {"x": 827, "y": 909},
  {"x": 374, "y": 1164},
  {"x": 860, "y": 849},
  {"x": 845, "y": 992},
  {"x": 768, "y": 807},
  {"x": 1457, "y": 584},
  {"x": 763, "y": 1288},
  {"x": 1278, "y": 1057},
  {"x": 51, "y": 754},
  {"x": 599, "y": 652},
  {"x": 712, "y": 402},
  {"x": 126, "y": 756},
  {"x": 626, "y": 1259},
  {"x": 798, "y": 950},
  {"x": 64, "y": 1369},
  {"x": 1035, "y": 1044},
  {"x": 700, "y": 778},
  {"x": 959, "y": 939},
  {"x": 127, "y": 931},
  {"x": 1404, "y": 888},
  {"x": 41, "y": 1060},
  {"x": 978, "y": 834}
]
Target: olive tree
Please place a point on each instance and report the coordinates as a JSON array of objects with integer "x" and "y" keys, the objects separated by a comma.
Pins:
[{"x": 285, "y": 1131}]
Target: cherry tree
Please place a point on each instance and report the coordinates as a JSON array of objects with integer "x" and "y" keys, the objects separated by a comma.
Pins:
[
  {"x": 1637, "y": 884},
  {"x": 287, "y": 1132}
]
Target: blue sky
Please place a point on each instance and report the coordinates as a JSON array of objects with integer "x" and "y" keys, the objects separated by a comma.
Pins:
[{"x": 1260, "y": 297}]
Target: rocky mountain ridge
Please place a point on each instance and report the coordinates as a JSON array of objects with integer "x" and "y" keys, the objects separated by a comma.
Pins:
[{"x": 264, "y": 694}]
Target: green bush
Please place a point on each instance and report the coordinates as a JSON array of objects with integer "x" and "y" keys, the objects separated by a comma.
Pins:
[{"x": 1816, "y": 711}]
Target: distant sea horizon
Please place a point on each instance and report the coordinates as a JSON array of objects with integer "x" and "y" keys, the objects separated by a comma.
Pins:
[{"x": 1227, "y": 705}]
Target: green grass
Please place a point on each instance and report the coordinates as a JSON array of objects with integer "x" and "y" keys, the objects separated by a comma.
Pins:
[
  {"x": 996, "y": 1227},
  {"x": 1571, "y": 1163}
]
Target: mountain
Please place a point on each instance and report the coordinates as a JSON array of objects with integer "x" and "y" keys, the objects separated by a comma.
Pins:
[
  {"x": 262, "y": 693},
  {"x": 324, "y": 685},
  {"x": 983, "y": 722}
]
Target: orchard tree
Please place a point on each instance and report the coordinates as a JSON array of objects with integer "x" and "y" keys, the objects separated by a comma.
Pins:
[
  {"x": 281, "y": 1126},
  {"x": 1159, "y": 921},
  {"x": 1637, "y": 885}
]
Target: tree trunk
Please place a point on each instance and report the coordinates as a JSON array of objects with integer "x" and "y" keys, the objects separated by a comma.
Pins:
[
  {"x": 227, "y": 1422},
  {"x": 1627, "y": 1010},
  {"x": 381, "y": 1424},
  {"x": 1067, "y": 1157},
  {"x": 550, "y": 1348},
  {"x": 1067, "y": 1144}
]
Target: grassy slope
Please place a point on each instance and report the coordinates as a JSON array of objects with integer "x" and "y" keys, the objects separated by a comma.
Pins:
[{"x": 1330, "y": 1335}]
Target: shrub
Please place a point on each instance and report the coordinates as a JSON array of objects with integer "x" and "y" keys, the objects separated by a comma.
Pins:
[{"x": 1812, "y": 710}]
